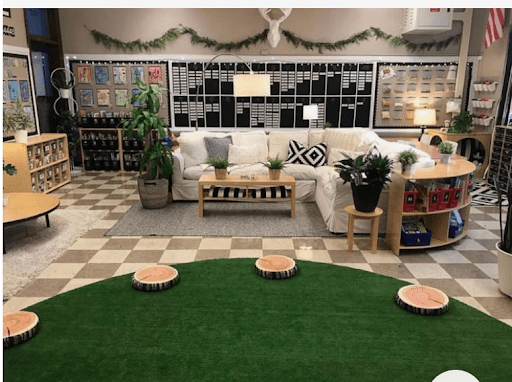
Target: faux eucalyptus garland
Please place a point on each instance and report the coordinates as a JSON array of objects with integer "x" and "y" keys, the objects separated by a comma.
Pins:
[{"x": 174, "y": 33}]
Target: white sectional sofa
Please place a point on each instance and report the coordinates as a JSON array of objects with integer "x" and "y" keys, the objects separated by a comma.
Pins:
[{"x": 313, "y": 184}]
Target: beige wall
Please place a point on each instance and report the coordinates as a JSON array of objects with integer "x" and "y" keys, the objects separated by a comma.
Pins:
[
  {"x": 226, "y": 25},
  {"x": 17, "y": 20}
]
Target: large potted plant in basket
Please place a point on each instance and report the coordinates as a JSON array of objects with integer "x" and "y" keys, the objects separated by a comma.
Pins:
[
  {"x": 156, "y": 159},
  {"x": 367, "y": 174},
  {"x": 504, "y": 246}
]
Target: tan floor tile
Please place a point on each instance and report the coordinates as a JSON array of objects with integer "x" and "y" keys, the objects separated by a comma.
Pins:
[
  {"x": 109, "y": 202},
  {"x": 468, "y": 244},
  {"x": 110, "y": 256},
  {"x": 473, "y": 303},
  {"x": 70, "y": 186},
  {"x": 364, "y": 243},
  {"x": 92, "y": 196},
  {"x": 343, "y": 256},
  {"x": 490, "y": 270},
  {"x": 97, "y": 271},
  {"x": 449, "y": 286},
  {"x": 478, "y": 234},
  {"x": 96, "y": 182},
  {"x": 337, "y": 244},
  {"x": 104, "y": 224},
  {"x": 133, "y": 197},
  {"x": 95, "y": 234},
  {"x": 43, "y": 288},
  {"x": 447, "y": 256},
  {"x": 124, "y": 243},
  {"x": 484, "y": 256},
  {"x": 480, "y": 287},
  {"x": 88, "y": 244},
  {"x": 415, "y": 256},
  {"x": 283, "y": 252},
  {"x": 176, "y": 256},
  {"x": 73, "y": 207},
  {"x": 246, "y": 243},
  {"x": 381, "y": 257},
  {"x": 392, "y": 270},
  {"x": 123, "y": 191},
  {"x": 61, "y": 271},
  {"x": 126, "y": 237},
  {"x": 20, "y": 303},
  {"x": 316, "y": 255},
  {"x": 121, "y": 209},
  {"x": 464, "y": 271},
  {"x": 85, "y": 202},
  {"x": 245, "y": 253},
  {"x": 184, "y": 243},
  {"x": 308, "y": 243},
  {"x": 361, "y": 266},
  {"x": 151, "y": 244},
  {"x": 76, "y": 256},
  {"x": 67, "y": 202},
  {"x": 109, "y": 186},
  {"x": 126, "y": 268},
  {"x": 116, "y": 196},
  {"x": 144, "y": 256},
  {"x": 410, "y": 281},
  {"x": 80, "y": 191},
  {"x": 215, "y": 243},
  {"x": 114, "y": 216},
  {"x": 428, "y": 271},
  {"x": 208, "y": 254},
  {"x": 101, "y": 191},
  {"x": 498, "y": 307},
  {"x": 78, "y": 283},
  {"x": 278, "y": 243}
]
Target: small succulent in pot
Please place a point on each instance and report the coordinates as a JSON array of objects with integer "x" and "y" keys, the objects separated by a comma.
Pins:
[
  {"x": 275, "y": 163},
  {"x": 219, "y": 162},
  {"x": 445, "y": 148}
]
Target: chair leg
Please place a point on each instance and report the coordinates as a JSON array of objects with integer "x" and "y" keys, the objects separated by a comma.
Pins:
[{"x": 350, "y": 233}]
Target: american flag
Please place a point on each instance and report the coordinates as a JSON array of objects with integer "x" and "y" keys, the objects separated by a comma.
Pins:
[{"x": 494, "y": 28}]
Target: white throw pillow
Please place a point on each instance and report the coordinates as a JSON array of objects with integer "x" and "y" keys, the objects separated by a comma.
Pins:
[
  {"x": 193, "y": 148},
  {"x": 243, "y": 154},
  {"x": 258, "y": 138}
]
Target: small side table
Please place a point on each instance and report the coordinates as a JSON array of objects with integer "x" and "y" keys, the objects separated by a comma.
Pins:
[{"x": 373, "y": 216}]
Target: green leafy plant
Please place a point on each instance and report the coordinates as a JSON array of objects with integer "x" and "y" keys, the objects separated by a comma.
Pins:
[
  {"x": 445, "y": 148},
  {"x": 461, "y": 123},
  {"x": 275, "y": 163},
  {"x": 16, "y": 119},
  {"x": 67, "y": 124},
  {"x": 368, "y": 169},
  {"x": 156, "y": 159},
  {"x": 407, "y": 157},
  {"x": 327, "y": 124},
  {"x": 219, "y": 162},
  {"x": 10, "y": 169}
]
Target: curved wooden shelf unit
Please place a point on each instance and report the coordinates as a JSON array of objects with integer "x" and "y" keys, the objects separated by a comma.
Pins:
[
  {"x": 420, "y": 213},
  {"x": 436, "y": 242}
]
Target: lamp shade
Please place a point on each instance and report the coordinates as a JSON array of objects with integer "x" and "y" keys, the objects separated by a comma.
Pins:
[
  {"x": 425, "y": 117},
  {"x": 310, "y": 112},
  {"x": 251, "y": 85}
]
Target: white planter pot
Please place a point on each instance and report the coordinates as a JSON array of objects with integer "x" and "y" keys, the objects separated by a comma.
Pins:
[
  {"x": 21, "y": 136},
  {"x": 445, "y": 158},
  {"x": 6, "y": 200},
  {"x": 64, "y": 93},
  {"x": 407, "y": 169},
  {"x": 504, "y": 271}
]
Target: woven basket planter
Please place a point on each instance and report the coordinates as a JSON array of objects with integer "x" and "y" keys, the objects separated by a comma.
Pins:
[
  {"x": 153, "y": 193},
  {"x": 274, "y": 173},
  {"x": 221, "y": 173}
]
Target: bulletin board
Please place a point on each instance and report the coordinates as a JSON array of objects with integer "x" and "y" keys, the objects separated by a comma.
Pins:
[
  {"x": 105, "y": 88},
  {"x": 404, "y": 87},
  {"x": 17, "y": 84}
]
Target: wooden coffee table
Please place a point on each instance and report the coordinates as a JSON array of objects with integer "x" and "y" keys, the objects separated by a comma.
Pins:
[
  {"x": 25, "y": 206},
  {"x": 247, "y": 184}
]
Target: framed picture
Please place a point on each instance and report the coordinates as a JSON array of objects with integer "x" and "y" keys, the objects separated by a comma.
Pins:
[
  {"x": 86, "y": 97},
  {"x": 103, "y": 97},
  {"x": 101, "y": 74},
  {"x": 5, "y": 91},
  {"x": 84, "y": 74},
  {"x": 135, "y": 92},
  {"x": 121, "y": 96},
  {"x": 137, "y": 73},
  {"x": 24, "y": 90},
  {"x": 13, "y": 90},
  {"x": 30, "y": 111},
  {"x": 155, "y": 74},
  {"x": 119, "y": 75}
]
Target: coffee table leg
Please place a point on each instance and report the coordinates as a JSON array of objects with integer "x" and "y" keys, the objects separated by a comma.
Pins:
[
  {"x": 292, "y": 202},
  {"x": 200, "y": 200},
  {"x": 47, "y": 220}
]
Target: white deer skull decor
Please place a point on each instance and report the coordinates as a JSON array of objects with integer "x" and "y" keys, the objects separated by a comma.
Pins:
[{"x": 274, "y": 36}]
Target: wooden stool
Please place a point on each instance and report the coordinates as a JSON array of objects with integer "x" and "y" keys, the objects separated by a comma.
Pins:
[{"x": 354, "y": 214}]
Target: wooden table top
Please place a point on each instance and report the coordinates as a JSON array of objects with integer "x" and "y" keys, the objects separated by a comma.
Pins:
[
  {"x": 28, "y": 205},
  {"x": 261, "y": 180}
]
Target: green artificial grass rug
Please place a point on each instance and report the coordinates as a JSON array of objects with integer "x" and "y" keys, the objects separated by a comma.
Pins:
[{"x": 222, "y": 322}]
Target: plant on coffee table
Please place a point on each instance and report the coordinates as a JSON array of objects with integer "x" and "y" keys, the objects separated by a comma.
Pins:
[
  {"x": 274, "y": 165},
  {"x": 446, "y": 151},
  {"x": 220, "y": 165},
  {"x": 407, "y": 158}
]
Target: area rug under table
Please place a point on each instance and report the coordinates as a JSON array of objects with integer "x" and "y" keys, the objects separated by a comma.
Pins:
[{"x": 222, "y": 219}]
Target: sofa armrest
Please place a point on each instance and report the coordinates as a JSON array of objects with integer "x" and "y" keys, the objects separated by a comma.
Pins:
[{"x": 178, "y": 166}]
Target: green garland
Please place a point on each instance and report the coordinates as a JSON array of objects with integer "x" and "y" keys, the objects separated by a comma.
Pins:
[{"x": 174, "y": 33}]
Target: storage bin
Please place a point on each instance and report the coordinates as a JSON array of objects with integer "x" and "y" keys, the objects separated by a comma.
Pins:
[
  {"x": 409, "y": 200},
  {"x": 416, "y": 239},
  {"x": 444, "y": 198},
  {"x": 426, "y": 201},
  {"x": 455, "y": 229},
  {"x": 455, "y": 193}
]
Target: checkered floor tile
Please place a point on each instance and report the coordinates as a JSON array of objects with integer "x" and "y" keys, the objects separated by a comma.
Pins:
[{"x": 466, "y": 270}]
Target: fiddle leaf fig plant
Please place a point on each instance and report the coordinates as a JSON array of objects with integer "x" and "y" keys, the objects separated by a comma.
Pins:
[{"x": 461, "y": 123}]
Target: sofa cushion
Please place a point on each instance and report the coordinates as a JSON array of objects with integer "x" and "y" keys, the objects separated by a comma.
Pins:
[
  {"x": 195, "y": 172},
  {"x": 314, "y": 156},
  {"x": 300, "y": 171},
  {"x": 355, "y": 139},
  {"x": 258, "y": 138},
  {"x": 336, "y": 155},
  {"x": 193, "y": 148},
  {"x": 243, "y": 154},
  {"x": 248, "y": 169},
  {"x": 316, "y": 136},
  {"x": 278, "y": 142},
  {"x": 217, "y": 147}
]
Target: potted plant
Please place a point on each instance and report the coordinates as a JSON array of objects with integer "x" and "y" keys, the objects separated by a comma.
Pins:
[
  {"x": 461, "y": 123},
  {"x": 274, "y": 165},
  {"x": 221, "y": 167},
  {"x": 446, "y": 151},
  {"x": 9, "y": 169},
  {"x": 367, "y": 174},
  {"x": 67, "y": 124},
  {"x": 407, "y": 158},
  {"x": 18, "y": 122},
  {"x": 155, "y": 159},
  {"x": 504, "y": 246},
  {"x": 327, "y": 125}
]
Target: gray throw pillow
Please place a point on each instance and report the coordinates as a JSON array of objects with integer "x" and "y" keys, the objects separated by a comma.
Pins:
[{"x": 217, "y": 147}]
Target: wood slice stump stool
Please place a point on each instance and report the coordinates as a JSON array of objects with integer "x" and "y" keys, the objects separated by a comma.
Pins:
[
  {"x": 19, "y": 327},
  {"x": 155, "y": 278},
  {"x": 355, "y": 214},
  {"x": 422, "y": 299},
  {"x": 275, "y": 267}
]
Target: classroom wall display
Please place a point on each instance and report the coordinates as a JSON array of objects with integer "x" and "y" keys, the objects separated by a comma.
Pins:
[
  {"x": 342, "y": 91},
  {"x": 17, "y": 85},
  {"x": 403, "y": 87},
  {"x": 108, "y": 94}
]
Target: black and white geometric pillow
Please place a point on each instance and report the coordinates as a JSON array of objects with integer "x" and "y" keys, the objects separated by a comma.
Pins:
[{"x": 314, "y": 156}]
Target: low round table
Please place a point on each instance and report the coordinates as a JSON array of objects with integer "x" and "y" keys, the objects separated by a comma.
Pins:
[
  {"x": 25, "y": 206},
  {"x": 355, "y": 214}
]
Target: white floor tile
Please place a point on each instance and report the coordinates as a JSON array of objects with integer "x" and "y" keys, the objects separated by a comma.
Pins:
[
  {"x": 469, "y": 244},
  {"x": 245, "y": 253},
  {"x": 384, "y": 256},
  {"x": 480, "y": 287},
  {"x": 78, "y": 283},
  {"x": 489, "y": 269},
  {"x": 110, "y": 256},
  {"x": 447, "y": 256},
  {"x": 215, "y": 243},
  {"x": 472, "y": 302},
  {"x": 20, "y": 303},
  {"x": 277, "y": 243},
  {"x": 104, "y": 224},
  {"x": 178, "y": 256},
  {"x": 482, "y": 234},
  {"x": 362, "y": 266},
  {"x": 151, "y": 244},
  {"x": 316, "y": 255},
  {"x": 89, "y": 244},
  {"x": 61, "y": 271},
  {"x": 427, "y": 271},
  {"x": 126, "y": 268}
]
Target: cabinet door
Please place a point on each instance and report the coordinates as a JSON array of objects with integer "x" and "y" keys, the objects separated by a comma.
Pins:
[{"x": 16, "y": 154}]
